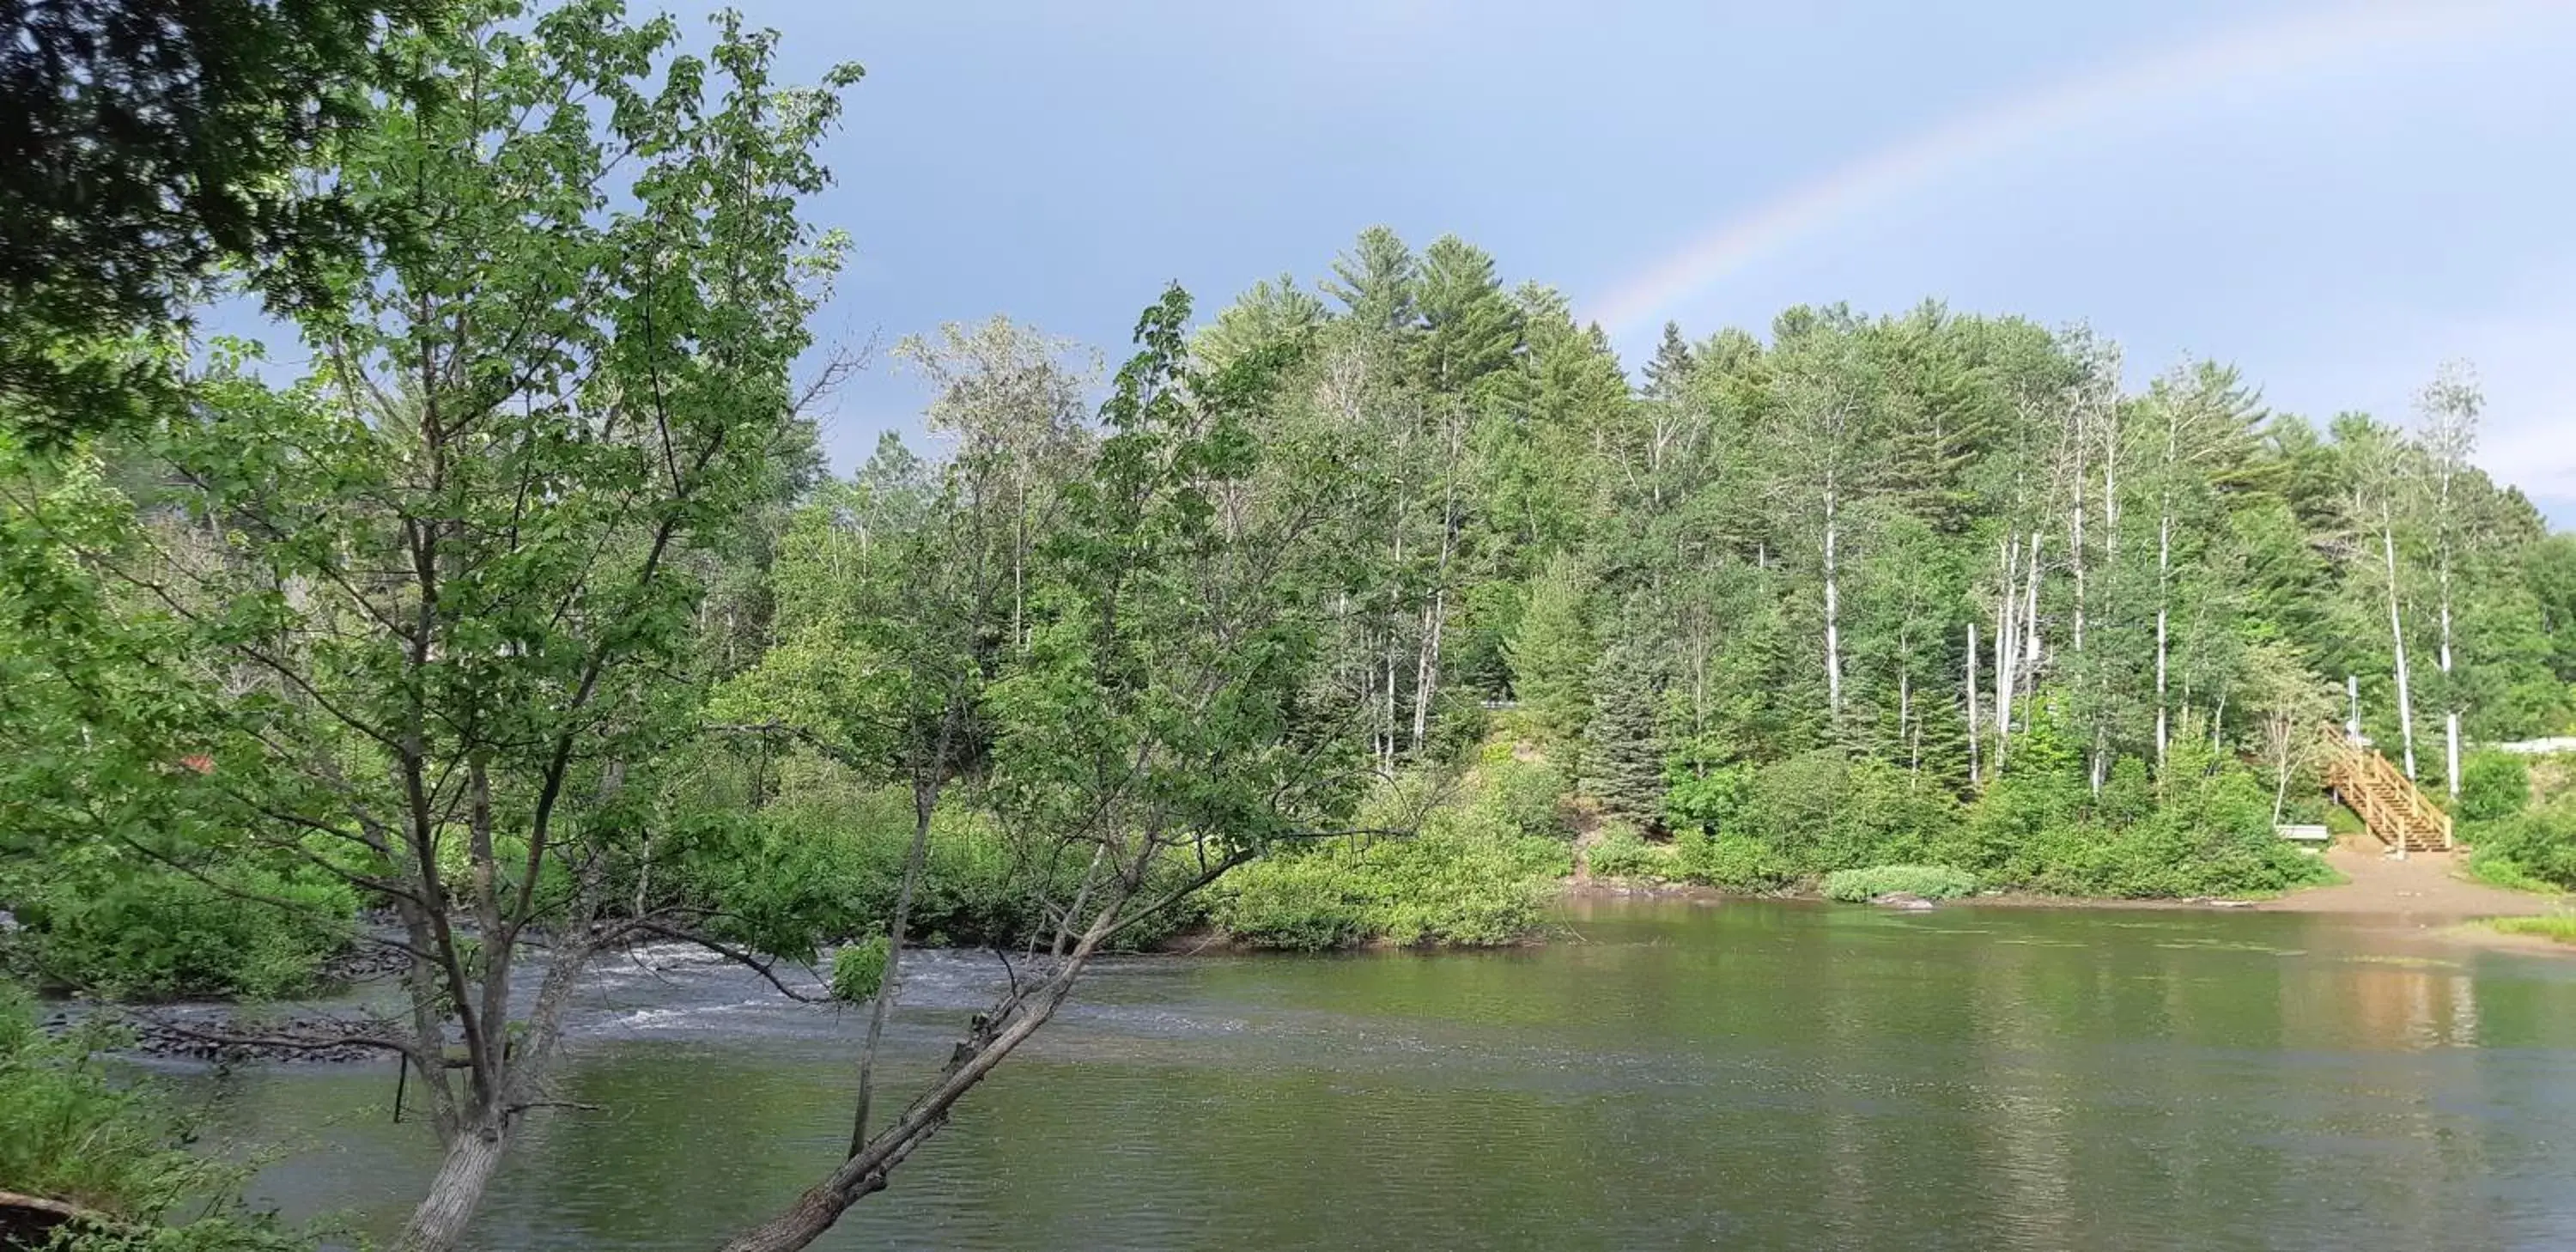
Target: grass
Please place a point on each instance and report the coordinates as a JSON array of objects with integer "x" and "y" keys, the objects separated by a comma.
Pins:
[
  {"x": 2560, "y": 927},
  {"x": 1931, "y": 882}
]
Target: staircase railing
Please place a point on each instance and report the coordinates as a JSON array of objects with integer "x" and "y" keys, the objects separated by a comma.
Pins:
[{"x": 2389, "y": 803}]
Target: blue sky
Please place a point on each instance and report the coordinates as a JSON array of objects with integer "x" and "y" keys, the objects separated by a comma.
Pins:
[{"x": 2334, "y": 196}]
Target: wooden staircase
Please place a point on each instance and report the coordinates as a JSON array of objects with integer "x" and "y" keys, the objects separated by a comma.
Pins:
[{"x": 2389, "y": 804}]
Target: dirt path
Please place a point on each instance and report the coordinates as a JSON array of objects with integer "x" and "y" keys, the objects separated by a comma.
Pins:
[{"x": 2427, "y": 886}]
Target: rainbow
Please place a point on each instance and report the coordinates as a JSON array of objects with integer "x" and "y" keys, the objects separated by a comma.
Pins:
[{"x": 2256, "y": 53}]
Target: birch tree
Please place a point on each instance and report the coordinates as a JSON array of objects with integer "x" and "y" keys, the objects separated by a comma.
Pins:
[
  {"x": 1013, "y": 399},
  {"x": 2202, "y": 421},
  {"x": 1823, "y": 411},
  {"x": 2447, "y": 422},
  {"x": 2375, "y": 472}
]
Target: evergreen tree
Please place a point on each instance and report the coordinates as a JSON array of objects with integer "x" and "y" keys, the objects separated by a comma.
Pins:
[
  {"x": 1378, "y": 282},
  {"x": 1625, "y": 748}
]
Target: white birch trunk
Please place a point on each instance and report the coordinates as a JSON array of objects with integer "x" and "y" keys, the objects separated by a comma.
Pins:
[
  {"x": 2397, "y": 637},
  {"x": 2005, "y": 636},
  {"x": 2450, "y": 698},
  {"x": 2075, "y": 534},
  {"x": 1973, "y": 763},
  {"x": 2030, "y": 651},
  {"x": 2164, "y": 614},
  {"x": 1833, "y": 610}
]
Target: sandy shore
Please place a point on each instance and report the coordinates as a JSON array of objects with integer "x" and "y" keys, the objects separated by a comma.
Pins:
[{"x": 2430, "y": 886}]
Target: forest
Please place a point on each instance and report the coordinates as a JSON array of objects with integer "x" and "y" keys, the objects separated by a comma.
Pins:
[{"x": 498, "y": 611}]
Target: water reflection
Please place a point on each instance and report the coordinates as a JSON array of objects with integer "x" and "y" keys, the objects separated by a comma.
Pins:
[{"x": 1747, "y": 1075}]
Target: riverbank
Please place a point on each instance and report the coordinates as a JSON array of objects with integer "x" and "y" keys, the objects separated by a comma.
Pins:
[
  {"x": 2430, "y": 886},
  {"x": 2431, "y": 889}
]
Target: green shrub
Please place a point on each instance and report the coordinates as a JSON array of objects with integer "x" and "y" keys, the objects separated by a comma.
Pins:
[
  {"x": 2493, "y": 785},
  {"x": 2041, "y": 827},
  {"x": 1472, "y": 876},
  {"x": 858, "y": 969},
  {"x": 2488, "y": 866},
  {"x": 1932, "y": 882},
  {"x": 1623, "y": 853},
  {"x": 1736, "y": 863},
  {"x": 2539, "y": 843},
  {"x": 1706, "y": 798},
  {"x": 1299, "y": 902},
  {"x": 1525, "y": 797},
  {"x": 806, "y": 871},
  {"x": 825, "y": 866},
  {"x": 1825, "y": 810},
  {"x": 70, "y": 1132},
  {"x": 241, "y": 931},
  {"x": 1443, "y": 886}
]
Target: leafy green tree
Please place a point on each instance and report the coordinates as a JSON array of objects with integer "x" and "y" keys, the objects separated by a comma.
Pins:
[
  {"x": 1273, "y": 314},
  {"x": 1552, "y": 654},
  {"x": 1156, "y": 728},
  {"x": 143, "y": 143},
  {"x": 2548, "y": 568},
  {"x": 445, "y": 584},
  {"x": 2291, "y": 707}
]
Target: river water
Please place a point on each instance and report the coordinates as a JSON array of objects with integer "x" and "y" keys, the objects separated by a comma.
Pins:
[{"x": 1660, "y": 1075}]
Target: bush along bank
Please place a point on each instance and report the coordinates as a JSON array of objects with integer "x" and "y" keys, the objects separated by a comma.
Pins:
[
  {"x": 2201, "y": 827},
  {"x": 1484, "y": 861},
  {"x": 108, "y": 1157},
  {"x": 233, "y": 930},
  {"x": 2520, "y": 835}
]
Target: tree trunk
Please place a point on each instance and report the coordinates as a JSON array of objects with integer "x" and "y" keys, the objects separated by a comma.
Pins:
[
  {"x": 1833, "y": 607},
  {"x": 1905, "y": 717},
  {"x": 2006, "y": 636},
  {"x": 2029, "y": 651},
  {"x": 2164, "y": 614},
  {"x": 2279, "y": 733},
  {"x": 2075, "y": 535},
  {"x": 864, "y": 1173},
  {"x": 1973, "y": 762},
  {"x": 2397, "y": 640},
  {"x": 2111, "y": 571},
  {"x": 1423, "y": 660},
  {"x": 2164, "y": 577},
  {"x": 439, "y": 1223},
  {"x": 1394, "y": 645},
  {"x": 1436, "y": 618},
  {"x": 925, "y": 803},
  {"x": 2450, "y": 698}
]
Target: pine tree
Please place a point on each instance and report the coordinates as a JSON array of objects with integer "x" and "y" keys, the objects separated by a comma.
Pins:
[
  {"x": 1470, "y": 329},
  {"x": 1377, "y": 281},
  {"x": 1625, "y": 752}
]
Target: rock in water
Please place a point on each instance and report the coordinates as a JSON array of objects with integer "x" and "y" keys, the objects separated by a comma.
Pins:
[{"x": 1905, "y": 900}]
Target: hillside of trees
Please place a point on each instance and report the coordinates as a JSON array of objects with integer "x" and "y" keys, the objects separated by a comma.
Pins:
[{"x": 1928, "y": 586}]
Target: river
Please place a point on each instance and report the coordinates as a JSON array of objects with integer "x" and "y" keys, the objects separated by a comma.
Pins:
[{"x": 1660, "y": 1075}]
